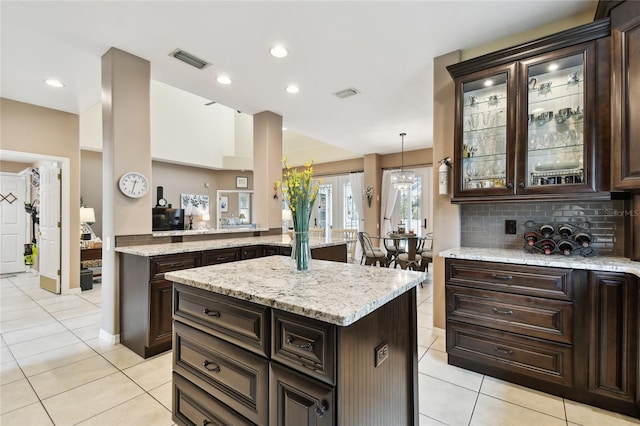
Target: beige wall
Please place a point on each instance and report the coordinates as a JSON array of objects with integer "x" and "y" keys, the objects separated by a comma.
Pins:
[
  {"x": 13, "y": 167},
  {"x": 91, "y": 185},
  {"x": 43, "y": 131}
]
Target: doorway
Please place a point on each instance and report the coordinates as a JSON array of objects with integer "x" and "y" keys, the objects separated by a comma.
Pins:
[{"x": 13, "y": 222}]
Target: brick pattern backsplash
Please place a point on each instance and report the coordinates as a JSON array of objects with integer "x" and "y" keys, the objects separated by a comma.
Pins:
[{"x": 482, "y": 225}]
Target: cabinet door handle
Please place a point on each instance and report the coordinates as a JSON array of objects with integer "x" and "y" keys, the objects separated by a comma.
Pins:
[
  {"x": 509, "y": 185},
  {"x": 211, "y": 313},
  {"x": 501, "y": 277},
  {"x": 306, "y": 346},
  {"x": 321, "y": 408},
  {"x": 215, "y": 369},
  {"x": 503, "y": 350},
  {"x": 521, "y": 185},
  {"x": 205, "y": 422},
  {"x": 502, "y": 311}
]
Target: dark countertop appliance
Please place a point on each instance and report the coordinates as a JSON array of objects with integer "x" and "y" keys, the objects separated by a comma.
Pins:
[{"x": 166, "y": 219}]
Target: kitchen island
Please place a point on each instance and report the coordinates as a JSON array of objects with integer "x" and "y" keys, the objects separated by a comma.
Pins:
[
  {"x": 255, "y": 342},
  {"x": 145, "y": 294}
]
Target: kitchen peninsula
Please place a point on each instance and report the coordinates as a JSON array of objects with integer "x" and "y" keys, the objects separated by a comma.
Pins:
[
  {"x": 257, "y": 342},
  {"x": 145, "y": 294}
]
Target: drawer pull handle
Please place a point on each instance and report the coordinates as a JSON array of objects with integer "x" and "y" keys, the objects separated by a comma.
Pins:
[
  {"x": 221, "y": 258},
  {"x": 503, "y": 350},
  {"x": 306, "y": 346},
  {"x": 211, "y": 313},
  {"x": 502, "y": 311},
  {"x": 176, "y": 265},
  {"x": 215, "y": 369},
  {"x": 501, "y": 277},
  {"x": 205, "y": 422},
  {"x": 322, "y": 408}
]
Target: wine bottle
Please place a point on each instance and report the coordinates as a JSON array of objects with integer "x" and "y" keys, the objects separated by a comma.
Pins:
[
  {"x": 531, "y": 238},
  {"x": 547, "y": 230},
  {"x": 565, "y": 247},
  {"x": 583, "y": 239},
  {"x": 565, "y": 231},
  {"x": 547, "y": 246}
]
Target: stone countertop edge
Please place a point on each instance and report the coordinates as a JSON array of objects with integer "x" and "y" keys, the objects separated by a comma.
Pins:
[
  {"x": 593, "y": 263},
  {"x": 332, "y": 292},
  {"x": 187, "y": 232},
  {"x": 191, "y": 246}
]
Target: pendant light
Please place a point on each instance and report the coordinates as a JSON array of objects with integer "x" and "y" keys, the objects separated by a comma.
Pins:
[{"x": 402, "y": 179}]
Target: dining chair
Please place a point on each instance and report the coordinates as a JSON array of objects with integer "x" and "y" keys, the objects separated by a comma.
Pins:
[
  {"x": 350, "y": 236},
  {"x": 370, "y": 253},
  {"x": 393, "y": 247},
  {"x": 425, "y": 249}
]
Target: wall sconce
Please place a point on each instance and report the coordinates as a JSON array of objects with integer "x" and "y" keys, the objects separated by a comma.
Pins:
[
  {"x": 369, "y": 194},
  {"x": 276, "y": 185}
]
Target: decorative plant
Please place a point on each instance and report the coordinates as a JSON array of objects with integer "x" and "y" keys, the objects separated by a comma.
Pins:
[
  {"x": 369, "y": 194},
  {"x": 300, "y": 192}
]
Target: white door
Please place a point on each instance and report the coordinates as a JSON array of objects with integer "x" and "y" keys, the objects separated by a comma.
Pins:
[
  {"x": 50, "y": 223},
  {"x": 13, "y": 222}
]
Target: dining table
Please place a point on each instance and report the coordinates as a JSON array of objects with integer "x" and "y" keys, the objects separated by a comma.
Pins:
[{"x": 398, "y": 243}]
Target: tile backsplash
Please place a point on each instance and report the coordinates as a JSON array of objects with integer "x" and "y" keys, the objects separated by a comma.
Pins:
[{"x": 482, "y": 225}]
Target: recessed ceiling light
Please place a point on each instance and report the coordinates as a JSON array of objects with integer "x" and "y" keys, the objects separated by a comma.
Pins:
[
  {"x": 54, "y": 83},
  {"x": 223, "y": 79},
  {"x": 292, "y": 88},
  {"x": 553, "y": 66},
  {"x": 488, "y": 83},
  {"x": 278, "y": 52}
]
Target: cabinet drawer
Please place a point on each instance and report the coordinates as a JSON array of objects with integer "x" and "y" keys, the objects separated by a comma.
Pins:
[
  {"x": 555, "y": 283},
  {"x": 193, "y": 406},
  {"x": 243, "y": 323},
  {"x": 305, "y": 345},
  {"x": 251, "y": 252},
  {"x": 173, "y": 262},
  {"x": 236, "y": 377},
  {"x": 214, "y": 257},
  {"x": 533, "y": 316},
  {"x": 536, "y": 358}
]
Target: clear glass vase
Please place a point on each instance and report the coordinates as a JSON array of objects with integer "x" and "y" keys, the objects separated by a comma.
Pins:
[{"x": 300, "y": 251}]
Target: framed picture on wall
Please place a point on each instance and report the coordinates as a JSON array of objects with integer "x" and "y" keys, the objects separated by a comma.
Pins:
[
  {"x": 224, "y": 203},
  {"x": 242, "y": 182}
]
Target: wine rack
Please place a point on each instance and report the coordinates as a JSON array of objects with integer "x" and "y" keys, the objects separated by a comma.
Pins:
[{"x": 561, "y": 238}]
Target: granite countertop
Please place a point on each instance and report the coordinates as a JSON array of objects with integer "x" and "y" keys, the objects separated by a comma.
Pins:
[
  {"x": 593, "y": 263},
  {"x": 333, "y": 292},
  {"x": 239, "y": 229},
  {"x": 185, "y": 247}
]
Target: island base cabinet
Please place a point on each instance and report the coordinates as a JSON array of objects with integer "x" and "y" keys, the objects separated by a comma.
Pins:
[
  {"x": 296, "y": 400},
  {"x": 160, "y": 323}
]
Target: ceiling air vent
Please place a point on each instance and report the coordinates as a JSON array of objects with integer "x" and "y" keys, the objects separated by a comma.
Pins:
[
  {"x": 190, "y": 59},
  {"x": 346, "y": 93}
]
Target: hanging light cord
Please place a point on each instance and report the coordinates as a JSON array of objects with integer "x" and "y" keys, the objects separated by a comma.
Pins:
[{"x": 402, "y": 135}]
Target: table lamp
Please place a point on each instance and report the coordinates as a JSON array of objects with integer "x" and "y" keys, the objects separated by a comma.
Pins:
[
  {"x": 87, "y": 216},
  {"x": 242, "y": 217}
]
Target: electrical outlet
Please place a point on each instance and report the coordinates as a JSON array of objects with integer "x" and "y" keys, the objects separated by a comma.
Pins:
[
  {"x": 382, "y": 353},
  {"x": 510, "y": 227}
]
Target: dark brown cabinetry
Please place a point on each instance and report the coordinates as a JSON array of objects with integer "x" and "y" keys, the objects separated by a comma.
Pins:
[
  {"x": 145, "y": 300},
  {"x": 568, "y": 332},
  {"x": 527, "y": 123},
  {"x": 613, "y": 345},
  {"x": 625, "y": 98},
  {"x": 237, "y": 362}
]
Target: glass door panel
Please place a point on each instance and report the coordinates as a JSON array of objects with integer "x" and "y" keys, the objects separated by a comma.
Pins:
[
  {"x": 555, "y": 122},
  {"x": 484, "y": 133}
]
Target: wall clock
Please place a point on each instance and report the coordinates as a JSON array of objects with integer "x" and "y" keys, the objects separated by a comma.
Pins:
[{"x": 133, "y": 185}]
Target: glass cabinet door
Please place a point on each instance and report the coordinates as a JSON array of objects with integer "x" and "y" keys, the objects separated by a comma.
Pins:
[
  {"x": 483, "y": 144},
  {"x": 555, "y": 124}
]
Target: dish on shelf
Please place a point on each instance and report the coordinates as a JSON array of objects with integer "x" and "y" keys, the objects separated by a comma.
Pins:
[{"x": 567, "y": 165}]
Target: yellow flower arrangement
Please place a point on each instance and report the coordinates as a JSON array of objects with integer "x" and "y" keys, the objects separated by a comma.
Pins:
[{"x": 300, "y": 192}]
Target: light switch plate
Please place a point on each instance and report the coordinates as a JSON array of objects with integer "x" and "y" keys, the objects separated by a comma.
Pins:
[{"x": 382, "y": 353}]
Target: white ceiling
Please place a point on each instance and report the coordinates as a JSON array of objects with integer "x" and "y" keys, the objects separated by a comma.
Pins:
[{"x": 382, "y": 48}]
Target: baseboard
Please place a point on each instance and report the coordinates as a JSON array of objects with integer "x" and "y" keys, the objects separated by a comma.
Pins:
[
  {"x": 112, "y": 339},
  {"x": 435, "y": 331}
]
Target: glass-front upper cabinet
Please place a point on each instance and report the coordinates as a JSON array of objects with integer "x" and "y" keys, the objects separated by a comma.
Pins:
[
  {"x": 485, "y": 117},
  {"x": 533, "y": 121},
  {"x": 556, "y": 104}
]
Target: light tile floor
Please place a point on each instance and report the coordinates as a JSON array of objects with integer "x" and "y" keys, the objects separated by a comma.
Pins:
[{"x": 55, "y": 371}]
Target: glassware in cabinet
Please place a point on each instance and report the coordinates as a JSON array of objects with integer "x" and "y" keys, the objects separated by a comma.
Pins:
[{"x": 482, "y": 146}]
